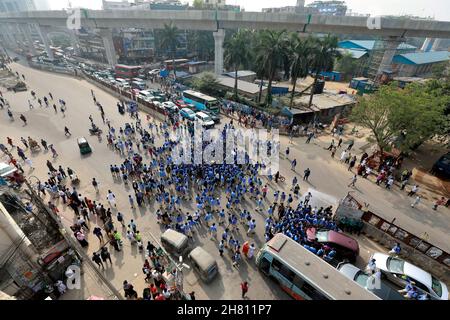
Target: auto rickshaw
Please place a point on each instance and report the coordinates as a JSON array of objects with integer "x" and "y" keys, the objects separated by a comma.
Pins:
[{"x": 84, "y": 145}]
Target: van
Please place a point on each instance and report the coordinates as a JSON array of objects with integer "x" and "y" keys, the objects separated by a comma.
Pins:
[
  {"x": 204, "y": 264},
  {"x": 121, "y": 82},
  {"x": 138, "y": 85},
  {"x": 175, "y": 242},
  {"x": 205, "y": 120}
]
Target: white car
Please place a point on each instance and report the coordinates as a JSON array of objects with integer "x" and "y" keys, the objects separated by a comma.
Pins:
[
  {"x": 205, "y": 120},
  {"x": 146, "y": 95},
  {"x": 154, "y": 72},
  {"x": 170, "y": 106},
  {"x": 157, "y": 104},
  {"x": 398, "y": 270},
  {"x": 384, "y": 291}
]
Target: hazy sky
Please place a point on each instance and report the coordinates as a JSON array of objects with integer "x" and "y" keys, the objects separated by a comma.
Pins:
[{"x": 439, "y": 9}]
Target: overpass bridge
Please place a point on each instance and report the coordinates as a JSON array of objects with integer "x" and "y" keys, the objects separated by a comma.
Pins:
[{"x": 391, "y": 30}]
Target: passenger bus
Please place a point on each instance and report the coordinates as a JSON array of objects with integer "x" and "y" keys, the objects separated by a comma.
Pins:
[
  {"x": 179, "y": 63},
  {"x": 201, "y": 101},
  {"x": 127, "y": 72},
  {"x": 304, "y": 275}
]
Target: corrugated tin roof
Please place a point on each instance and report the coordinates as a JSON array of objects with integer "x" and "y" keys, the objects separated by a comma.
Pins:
[
  {"x": 322, "y": 101},
  {"x": 422, "y": 57},
  {"x": 368, "y": 44},
  {"x": 243, "y": 86},
  {"x": 241, "y": 73}
]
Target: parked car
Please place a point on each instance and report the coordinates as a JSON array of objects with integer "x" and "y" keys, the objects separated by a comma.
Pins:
[
  {"x": 145, "y": 95},
  {"x": 204, "y": 119},
  {"x": 187, "y": 114},
  {"x": 346, "y": 247},
  {"x": 384, "y": 291},
  {"x": 154, "y": 72},
  {"x": 399, "y": 271},
  {"x": 181, "y": 104},
  {"x": 442, "y": 166},
  {"x": 158, "y": 104},
  {"x": 170, "y": 106},
  {"x": 215, "y": 117},
  {"x": 121, "y": 82}
]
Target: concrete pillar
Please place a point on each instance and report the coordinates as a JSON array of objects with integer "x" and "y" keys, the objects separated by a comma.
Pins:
[
  {"x": 436, "y": 45},
  {"x": 6, "y": 39},
  {"x": 26, "y": 32},
  {"x": 9, "y": 35},
  {"x": 219, "y": 36},
  {"x": 74, "y": 42},
  {"x": 11, "y": 234},
  {"x": 390, "y": 47},
  {"x": 43, "y": 33},
  {"x": 426, "y": 46},
  {"x": 108, "y": 43}
]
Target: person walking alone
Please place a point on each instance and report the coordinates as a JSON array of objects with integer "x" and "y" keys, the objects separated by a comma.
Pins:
[
  {"x": 244, "y": 288},
  {"x": 67, "y": 132},
  {"x": 95, "y": 185},
  {"x": 353, "y": 181}
]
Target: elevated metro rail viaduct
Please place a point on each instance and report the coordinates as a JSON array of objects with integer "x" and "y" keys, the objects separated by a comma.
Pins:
[{"x": 391, "y": 30}]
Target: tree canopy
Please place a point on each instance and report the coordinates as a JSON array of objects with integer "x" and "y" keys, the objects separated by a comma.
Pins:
[
  {"x": 402, "y": 118},
  {"x": 206, "y": 82}
]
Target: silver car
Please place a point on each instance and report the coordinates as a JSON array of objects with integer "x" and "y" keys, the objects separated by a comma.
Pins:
[
  {"x": 384, "y": 291},
  {"x": 398, "y": 271}
]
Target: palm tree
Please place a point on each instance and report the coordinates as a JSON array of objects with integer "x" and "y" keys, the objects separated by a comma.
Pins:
[
  {"x": 271, "y": 51},
  {"x": 169, "y": 41},
  {"x": 324, "y": 54},
  {"x": 237, "y": 54},
  {"x": 300, "y": 54}
]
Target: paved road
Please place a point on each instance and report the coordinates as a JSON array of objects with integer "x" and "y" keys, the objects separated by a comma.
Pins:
[{"x": 328, "y": 183}]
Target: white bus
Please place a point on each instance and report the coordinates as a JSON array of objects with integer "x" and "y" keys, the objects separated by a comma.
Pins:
[{"x": 304, "y": 275}]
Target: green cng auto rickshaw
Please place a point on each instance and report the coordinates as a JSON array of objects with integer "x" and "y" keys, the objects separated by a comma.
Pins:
[{"x": 84, "y": 145}]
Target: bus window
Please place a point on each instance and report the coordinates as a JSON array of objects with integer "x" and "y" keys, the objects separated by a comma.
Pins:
[
  {"x": 287, "y": 273},
  {"x": 312, "y": 292}
]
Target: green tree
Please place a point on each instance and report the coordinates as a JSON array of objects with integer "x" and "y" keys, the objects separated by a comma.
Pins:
[
  {"x": 271, "y": 51},
  {"x": 441, "y": 71},
  {"x": 300, "y": 56},
  {"x": 237, "y": 54},
  {"x": 404, "y": 118},
  {"x": 169, "y": 41},
  {"x": 198, "y": 4},
  {"x": 206, "y": 82},
  {"x": 202, "y": 43},
  {"x": 347, "y": 65},
  {"x": 324, "y": 54}
]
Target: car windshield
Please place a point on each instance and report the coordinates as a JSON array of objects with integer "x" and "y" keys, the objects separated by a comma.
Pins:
[
  {"x": 207, "y": 118},
  {"x": 361, "y": 278},
  {"x": 436, "y": 286},
  {"x": 395, "y": 265}
]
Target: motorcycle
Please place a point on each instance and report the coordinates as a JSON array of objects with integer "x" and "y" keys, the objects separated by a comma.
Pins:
[{"x": 95, "y": 130}]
